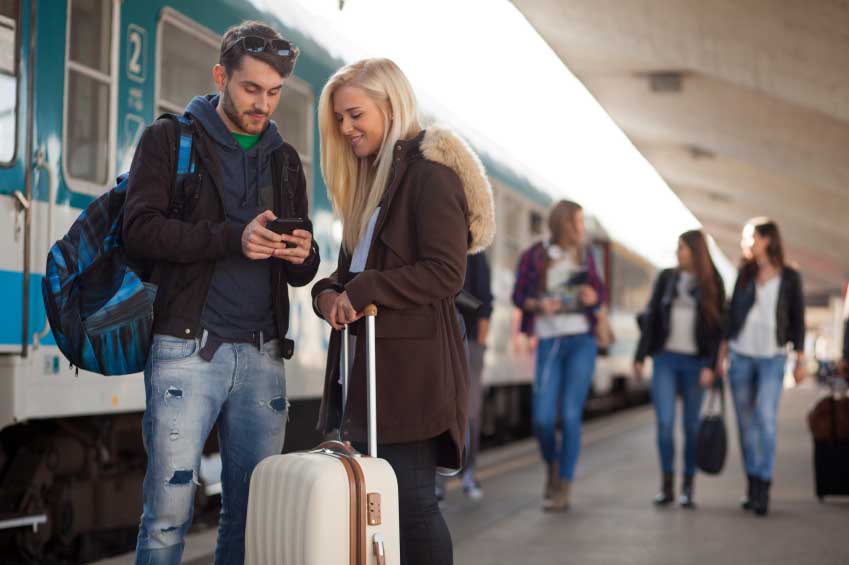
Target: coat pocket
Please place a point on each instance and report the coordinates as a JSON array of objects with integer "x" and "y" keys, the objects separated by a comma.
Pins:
[{"x": 419, "y": 323}]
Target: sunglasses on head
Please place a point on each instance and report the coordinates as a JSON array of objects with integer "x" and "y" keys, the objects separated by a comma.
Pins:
[{"x": 256, "y": 44}]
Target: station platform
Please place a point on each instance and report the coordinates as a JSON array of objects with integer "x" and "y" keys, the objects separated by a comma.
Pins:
[{"x": 612, "y": 519}]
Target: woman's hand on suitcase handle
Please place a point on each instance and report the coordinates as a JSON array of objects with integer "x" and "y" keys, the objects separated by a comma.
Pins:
[
  {"x": 327, "y": 307},
  {"x": 344, "y": 310}
]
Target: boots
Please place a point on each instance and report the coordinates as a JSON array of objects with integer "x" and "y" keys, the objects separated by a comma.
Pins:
[
  {"x": 746, "y": 502},
  {"x": 559, "y": 501},
  {"x": 686, "y": 499},
  {"x": 760, "y": 501},
  {"x": 666, "y": 494},
  {"x": 552, "y": 476}
]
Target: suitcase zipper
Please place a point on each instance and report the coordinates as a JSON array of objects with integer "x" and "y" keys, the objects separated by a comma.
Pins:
[{"x": 379, "y": 550}]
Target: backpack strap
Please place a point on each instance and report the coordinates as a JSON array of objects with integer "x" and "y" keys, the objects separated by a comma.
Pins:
[
  {"x": 186, "y": 162},
  {"x": 280, "y": 170}
]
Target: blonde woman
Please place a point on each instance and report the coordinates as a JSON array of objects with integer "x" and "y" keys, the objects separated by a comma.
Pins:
[{"x": 413, "y": 203}]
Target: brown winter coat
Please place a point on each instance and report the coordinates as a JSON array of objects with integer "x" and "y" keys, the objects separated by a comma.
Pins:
[{"x": 437, "y": 208}]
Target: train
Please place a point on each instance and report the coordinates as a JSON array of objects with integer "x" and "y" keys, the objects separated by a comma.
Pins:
[{"x": 79, "y": 82}]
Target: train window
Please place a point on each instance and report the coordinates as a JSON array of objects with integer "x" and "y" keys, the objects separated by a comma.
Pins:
[
  {"x": 8, "y": 78},
  {"x": 294, "y": 117},
  {"x": 536, "y": 223},
  {"x": 89, "y": 88},
  {"x": 187, "y": 53}
]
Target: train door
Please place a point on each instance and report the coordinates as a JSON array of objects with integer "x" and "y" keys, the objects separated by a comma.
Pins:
[{"x": 15, "y": 182}]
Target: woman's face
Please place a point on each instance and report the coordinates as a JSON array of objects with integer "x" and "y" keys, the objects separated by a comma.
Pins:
[
  {"x": 685, "y": 256},
  {"x": 575, "y": 229},
  {"x": 360, "y": 120},
  {"x": 754, "y": 245}
]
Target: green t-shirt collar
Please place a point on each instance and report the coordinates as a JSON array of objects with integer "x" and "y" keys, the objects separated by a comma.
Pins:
[{"x": 247, "y": 142}]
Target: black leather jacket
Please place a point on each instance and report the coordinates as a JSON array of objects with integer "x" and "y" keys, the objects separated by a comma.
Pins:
[
  {"x": 790, "y": 312},
  {"x": 655, "y": 324}
]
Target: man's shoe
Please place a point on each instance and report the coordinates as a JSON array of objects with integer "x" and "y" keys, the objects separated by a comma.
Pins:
[{"x": 473, "y": 490}]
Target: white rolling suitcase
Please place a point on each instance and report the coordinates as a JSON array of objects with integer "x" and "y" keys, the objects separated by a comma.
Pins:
[{"x": 328, "y": 506}]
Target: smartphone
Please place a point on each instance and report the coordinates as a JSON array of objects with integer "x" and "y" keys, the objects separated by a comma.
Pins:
[{"x": 287, "y": 226}]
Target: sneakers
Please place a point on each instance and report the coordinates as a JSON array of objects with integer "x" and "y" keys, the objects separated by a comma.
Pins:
[
  {"x": 472, "y": 489},
  {"x": 439, "y": 491}
]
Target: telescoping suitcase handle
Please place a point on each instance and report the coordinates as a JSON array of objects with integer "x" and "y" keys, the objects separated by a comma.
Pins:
[{"x": 370, "y": 313}]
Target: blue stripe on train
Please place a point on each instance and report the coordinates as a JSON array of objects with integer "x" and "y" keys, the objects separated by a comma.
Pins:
[{"x": 11, "y": 314}]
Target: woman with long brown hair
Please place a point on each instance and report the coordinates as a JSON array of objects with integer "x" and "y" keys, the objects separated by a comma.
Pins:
[
  {"x": 767, "y": 313},
  {"x": 682, "y": 330}
]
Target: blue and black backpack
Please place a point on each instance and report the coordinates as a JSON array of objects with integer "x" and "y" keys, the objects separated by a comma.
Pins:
[{"x": 98, "y": 303}]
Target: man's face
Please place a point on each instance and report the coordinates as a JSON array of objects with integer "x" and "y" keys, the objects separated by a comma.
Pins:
[{"x": 249, "y": 95}]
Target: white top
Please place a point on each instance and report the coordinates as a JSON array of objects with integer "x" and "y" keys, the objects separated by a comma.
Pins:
[
  {"x": 358, "y": 265},
  {"x": 358, "y": 261},
  {"x": 758, "y": 336},
  {"x": 682, "y": 321},
  {"x": 564, "y": 281}
]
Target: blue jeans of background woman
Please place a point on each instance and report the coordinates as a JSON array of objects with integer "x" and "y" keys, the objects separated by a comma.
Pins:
[
  {"x": 677, "y": 374},
  {"x": 756, "y": 384},
  {"x": 564, "y": 372}
]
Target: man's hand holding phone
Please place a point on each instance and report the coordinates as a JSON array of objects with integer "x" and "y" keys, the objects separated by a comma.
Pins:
[
  {"x": 296, "y": 239},
  {"x": 267, "y": 236},
  {"x": 258, "y": 242}
]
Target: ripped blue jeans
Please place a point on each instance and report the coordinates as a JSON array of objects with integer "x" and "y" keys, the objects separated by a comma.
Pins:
[{"x": 244, "y": 390}]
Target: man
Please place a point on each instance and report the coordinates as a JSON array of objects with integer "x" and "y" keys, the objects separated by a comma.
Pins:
[
  {"x": 477, "y": 283},
  {"x": 222, "y": 308}
]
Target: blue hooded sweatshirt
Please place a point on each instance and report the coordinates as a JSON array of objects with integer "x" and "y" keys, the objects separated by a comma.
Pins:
[{"x": 239, "y": 298}]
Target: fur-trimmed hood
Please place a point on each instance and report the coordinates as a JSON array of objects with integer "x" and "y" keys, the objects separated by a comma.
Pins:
[{"x": 441, "y": 145}]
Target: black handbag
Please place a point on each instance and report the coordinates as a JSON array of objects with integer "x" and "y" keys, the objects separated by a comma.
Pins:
[
  {"x": 467, "y": 303},
  {"x": 712, "y": 441}
]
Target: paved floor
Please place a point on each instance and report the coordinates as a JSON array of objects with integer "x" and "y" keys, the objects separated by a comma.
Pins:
[{"x": 613, "y": 521}]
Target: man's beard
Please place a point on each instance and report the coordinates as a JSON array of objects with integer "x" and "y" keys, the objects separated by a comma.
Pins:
[{"x": 232, "y": 113}]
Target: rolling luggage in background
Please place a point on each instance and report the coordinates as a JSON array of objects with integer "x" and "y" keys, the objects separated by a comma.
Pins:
[
  {"x": 328, "y": 506},
  {"x": 829, "y": 423}
]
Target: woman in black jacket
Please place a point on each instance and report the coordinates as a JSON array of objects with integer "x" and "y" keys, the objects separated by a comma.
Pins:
[
  {"x": 767, "y": 313},
  {"x": 682, "y": 330}
]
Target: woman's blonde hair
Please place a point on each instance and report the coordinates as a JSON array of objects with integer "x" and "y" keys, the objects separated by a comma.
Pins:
[{"x": 356, "y": 185}]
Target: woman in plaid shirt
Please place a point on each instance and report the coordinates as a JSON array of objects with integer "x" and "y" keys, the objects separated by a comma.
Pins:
[{"x": 559, "y": 292}]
